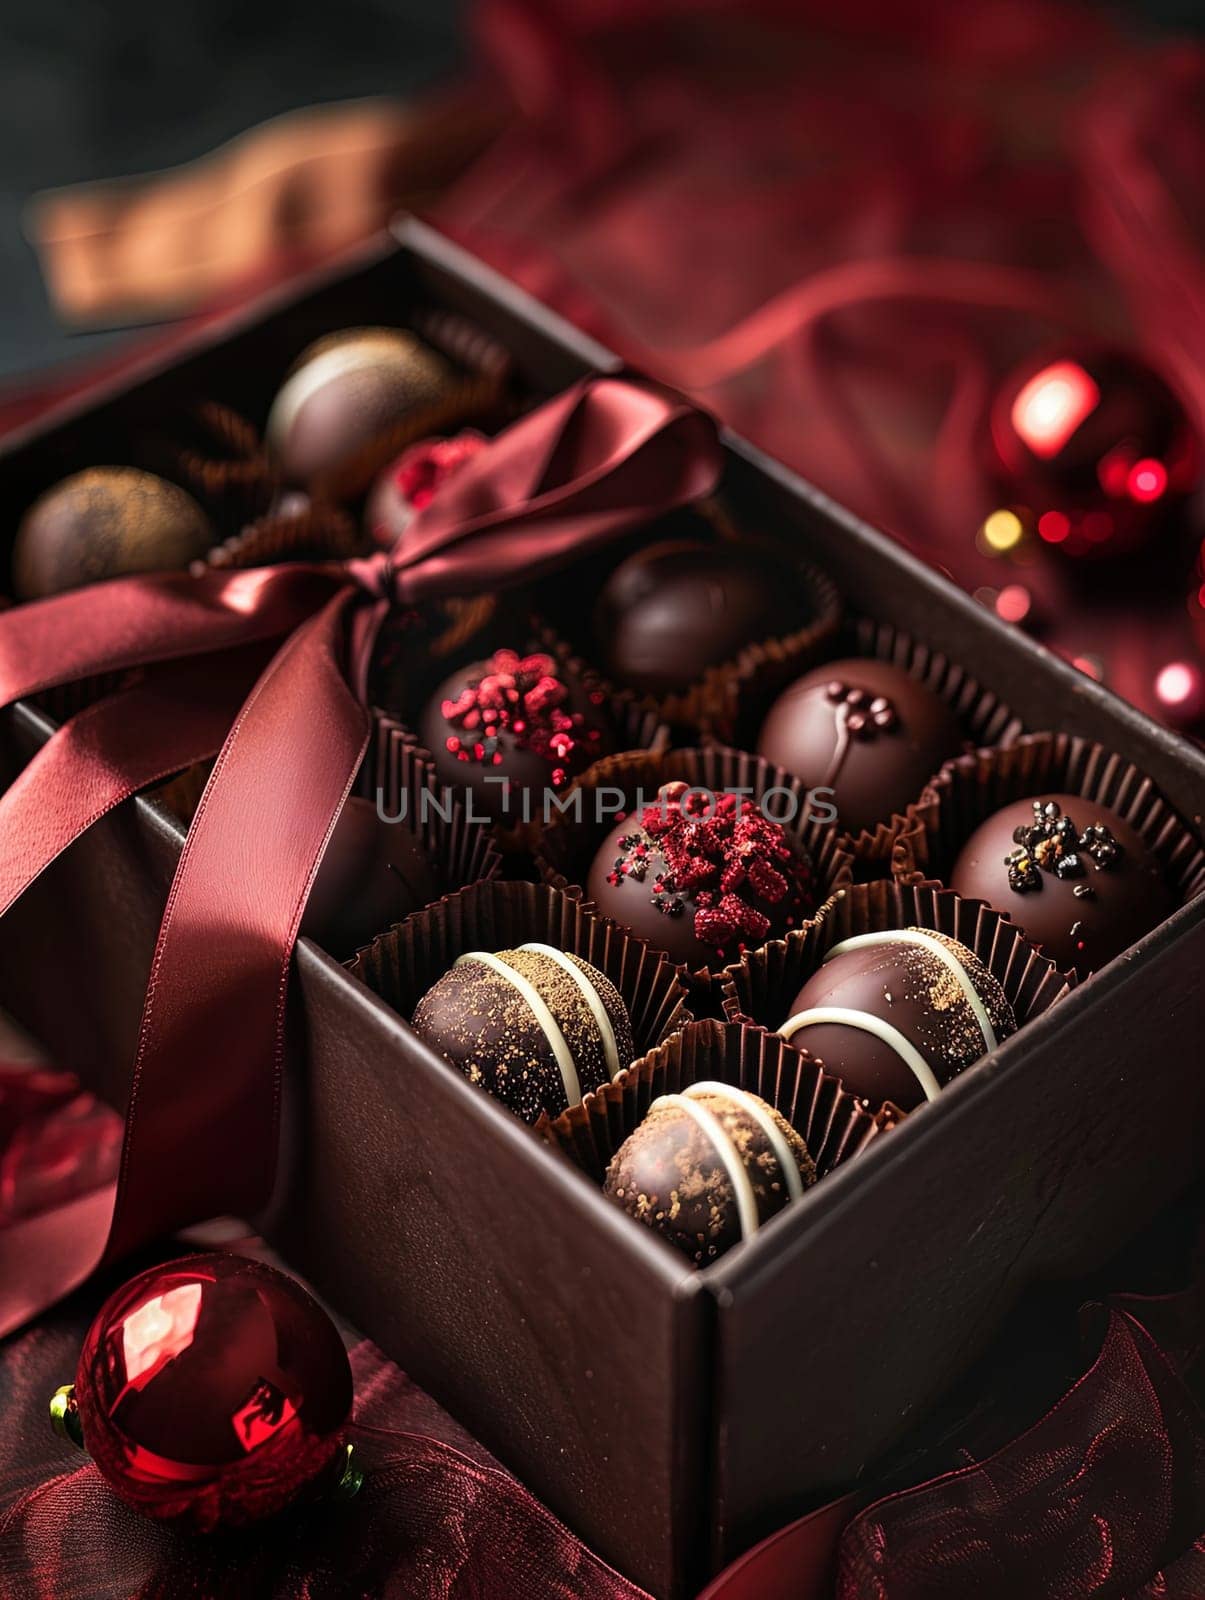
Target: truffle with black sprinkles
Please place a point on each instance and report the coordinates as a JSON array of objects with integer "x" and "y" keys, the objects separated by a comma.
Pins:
[
  {"x": 703, "y": 876},
  {"x": 106, "y": 522},
  {"x": 537, "y": 1028},
  {"x": 1077, "y": 877},
  {"x": 347, "y": 389},
  {"x": 708, "y": 1167},
  {"x": 509, "y": 728},
  {"x": 896, "y": 1014}
]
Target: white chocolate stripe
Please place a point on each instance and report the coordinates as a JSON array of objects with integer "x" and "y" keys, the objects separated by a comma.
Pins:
[
  {"x": 755, "y": 1108},
  {"x": 348, "y": 356},
  {"x": 904, "y": 1048},
  {"x": 544, "y": 1017},
  {"x": 592, "y": 998},
  {"x": 942, "y": 951},
  {"x": 730, "y": 1157}
]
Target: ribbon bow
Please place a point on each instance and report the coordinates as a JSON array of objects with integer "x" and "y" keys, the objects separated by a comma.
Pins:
[{"x": 603, "y": 458}]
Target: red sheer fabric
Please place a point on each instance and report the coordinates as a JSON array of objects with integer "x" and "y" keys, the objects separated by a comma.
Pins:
[
  {"x": 1107, "y": 1489},
  {"x": 437, "y": 1518},
  {"x": 838, "y": 226}
]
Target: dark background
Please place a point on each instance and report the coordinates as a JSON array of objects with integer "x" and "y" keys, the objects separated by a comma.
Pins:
[
  {"x": 96, "y": 90},
  {"x": 93, "y": 90}
]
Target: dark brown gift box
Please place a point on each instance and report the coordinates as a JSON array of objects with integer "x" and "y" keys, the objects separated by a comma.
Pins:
[{"x": 671, "y": 1417}]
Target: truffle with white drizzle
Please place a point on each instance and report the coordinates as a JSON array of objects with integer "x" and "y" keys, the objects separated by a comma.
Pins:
[
  {"x": 538, "y": 1028},
  {"x": 708, "y": 1167},
  {"x": 896, "y": 1014}
]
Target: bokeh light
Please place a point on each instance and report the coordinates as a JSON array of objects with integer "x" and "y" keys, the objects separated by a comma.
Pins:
[{"x": 1002, "y": 531}]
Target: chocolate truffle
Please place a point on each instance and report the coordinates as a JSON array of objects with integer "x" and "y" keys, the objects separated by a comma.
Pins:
[
  {"x": 708, "y": 1167},
  {"x": 864, "y": 729},
  {"x": 346, "y": 390},
  {"x": 106, "y": 522},
  {"x": 680, "y": 606},
  {"x": 703, "y": 876},
  {"x": 412, "y": 481},
  {"x": 896, "y": 1015},
  {"x": 519, "y": 718},
  {"x": 372, "y": 875},
  {"x": 1080, "y": 881},
  {"x": 537, "y": 1028}
]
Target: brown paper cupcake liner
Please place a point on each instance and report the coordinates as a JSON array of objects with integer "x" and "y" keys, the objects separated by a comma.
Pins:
[
  {"x": 219, "y": 457},
  {"x": 470, "y": 346},
  {"x": 762, "y": 986},
  {"x": 567, "y": 846},
  {"x": 833, "y": 1124},
  {"x": 403, "y": 786},
  {"x": 984, "y": 716},
  {"x": 299, "y": 531},
  {"x": 67, "y": 699},
  {"x": 402, "y": 965},
  {"x": 972, "y": 787},
  {"x": 228, "y": 459},
  {"x": 483, "y": 628},
  {"x": 709, "y": 706}
]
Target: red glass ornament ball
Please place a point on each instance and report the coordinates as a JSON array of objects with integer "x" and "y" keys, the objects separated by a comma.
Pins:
[
  {"x": 212, "y": 1390},
  {"x": 1096, "y": 445}
]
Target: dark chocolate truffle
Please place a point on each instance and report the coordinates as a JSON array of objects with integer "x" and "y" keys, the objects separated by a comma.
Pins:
[
  {"x": 519, "y": 718},
  {"x": 412, "y": 481},
  {"x": 344, "y": 391},
  {"x": 537, "y": 1028},
  {"x": 708, "y": 1167},
  {"x": 703, "y": 876},
  {"x": 896, "y": 1015},
  {"x": 372, "y": 875},
  {"x": 1080, "y": 881},
  {"x": 106, "y": 522},
  {"x": 678, "y": 607},
  {"x": 864, "y": 729}
]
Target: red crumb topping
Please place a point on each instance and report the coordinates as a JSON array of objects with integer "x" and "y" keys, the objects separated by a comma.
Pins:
[
  {"x": 523, "y": 697},
  {"x": 726, "y": 857},
  {"x": 427, "y": 465}
]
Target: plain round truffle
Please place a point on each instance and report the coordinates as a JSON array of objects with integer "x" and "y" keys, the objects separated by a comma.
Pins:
[
  {"x": 537, "y": 1028},
  {"x": 1076, "y": 877},
  {"x": 865, "y": 729},
  {"x": 106, "y": 522},
  {"x": 520, "y": 718},
  {"x": 895, "y": 1015},
  {"x": 680, "y": 606},
  {"x": 372, "y": 874},
  {"x": 346, "y": 390},
  {"x": 703, "y": 877},
  {"x": 708, "y": 1167}
]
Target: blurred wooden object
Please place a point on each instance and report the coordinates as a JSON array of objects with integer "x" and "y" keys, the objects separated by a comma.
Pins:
[{"x": 285, "y": 194}]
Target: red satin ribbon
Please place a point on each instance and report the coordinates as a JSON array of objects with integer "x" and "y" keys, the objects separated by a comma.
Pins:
[{"x": 201, "y": 1124}]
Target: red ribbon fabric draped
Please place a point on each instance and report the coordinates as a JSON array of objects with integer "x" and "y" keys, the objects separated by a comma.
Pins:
[{"x": 201, "y": 1123}]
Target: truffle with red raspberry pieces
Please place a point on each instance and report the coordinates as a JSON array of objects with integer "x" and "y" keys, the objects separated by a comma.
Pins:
[
  {"x": 703, "y": 876},
  {"x": 412, "y": 481},
  {"x": 512, "y": 729}
]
